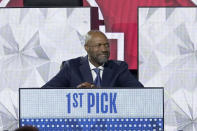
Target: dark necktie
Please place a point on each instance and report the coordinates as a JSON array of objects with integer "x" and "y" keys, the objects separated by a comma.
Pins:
[{"x": 97, "y": 80}]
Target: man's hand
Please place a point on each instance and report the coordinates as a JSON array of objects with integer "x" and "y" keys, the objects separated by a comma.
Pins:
[{"x": 86, "y": 85}]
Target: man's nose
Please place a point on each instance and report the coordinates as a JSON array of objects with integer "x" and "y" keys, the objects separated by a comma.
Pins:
[{"x": 104, "y": 47}]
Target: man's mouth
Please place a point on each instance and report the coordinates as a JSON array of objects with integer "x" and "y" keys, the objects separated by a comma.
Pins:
[{"x": 104, "y": 55}]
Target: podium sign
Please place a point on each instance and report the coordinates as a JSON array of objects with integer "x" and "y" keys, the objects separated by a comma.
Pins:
[{"x": 92, "y": 109}]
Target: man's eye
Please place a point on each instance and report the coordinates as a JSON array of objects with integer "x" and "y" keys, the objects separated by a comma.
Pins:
[
  {"x": 99, "y": 45},
  {"x": 107, "y": 45}
]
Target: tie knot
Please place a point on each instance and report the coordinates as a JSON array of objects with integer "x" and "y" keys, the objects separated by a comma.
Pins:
[{"x": 97, "y": 70}]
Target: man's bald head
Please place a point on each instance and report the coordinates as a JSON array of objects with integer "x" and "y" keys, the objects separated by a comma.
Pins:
[
  {"x": 97, "y": 47},
  {"x": 93, "y": 33}
]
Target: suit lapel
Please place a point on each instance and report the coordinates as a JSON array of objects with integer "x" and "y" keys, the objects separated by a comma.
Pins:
[
  {"x": 107, "y": 74},
  {"x": 85, "y": 70}
]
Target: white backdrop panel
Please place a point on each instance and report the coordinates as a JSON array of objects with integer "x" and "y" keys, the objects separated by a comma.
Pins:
[
  {"x": 168, "y": 58},
  {"x": 33, "y": 43}
]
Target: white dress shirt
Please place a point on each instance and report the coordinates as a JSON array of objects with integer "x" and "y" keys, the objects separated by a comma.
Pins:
[{"x": 93, "y": 72}]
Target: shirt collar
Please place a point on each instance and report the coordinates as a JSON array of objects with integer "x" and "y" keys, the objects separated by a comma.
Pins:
[{"x": 93, "y": 67}]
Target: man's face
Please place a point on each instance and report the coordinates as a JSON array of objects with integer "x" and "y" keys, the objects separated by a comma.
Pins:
[{"x": 98, "y": 49}]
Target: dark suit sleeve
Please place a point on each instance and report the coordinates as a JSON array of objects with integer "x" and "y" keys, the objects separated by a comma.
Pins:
[
  {"x": 126, "y": 79},
  {"x": 61, "y": 79}
]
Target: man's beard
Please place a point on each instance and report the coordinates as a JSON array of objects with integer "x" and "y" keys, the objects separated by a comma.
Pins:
[{"x": 101, "y": 59}]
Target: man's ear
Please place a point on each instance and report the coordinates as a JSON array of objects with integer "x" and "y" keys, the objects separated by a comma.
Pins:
[{"x": 86, "y": 48}]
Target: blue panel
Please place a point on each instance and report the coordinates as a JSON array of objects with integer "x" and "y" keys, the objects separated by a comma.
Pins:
[{"x": 95, "y": 123}]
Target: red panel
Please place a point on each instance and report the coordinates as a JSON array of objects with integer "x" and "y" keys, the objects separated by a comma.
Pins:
[
  {"x": 95, "y": 22},
  {"x": 15, "y": 3},
  {"x": 85, "y": 3},
  {"x": 121, "y": 16},
  {"x": 113, "y": 49}
]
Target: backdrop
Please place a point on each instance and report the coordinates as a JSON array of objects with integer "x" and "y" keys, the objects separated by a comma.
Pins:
[
  {"x": 119, "y": 16},
  {"x": 33, "y": 43},
  {"x": 168, "y": 58},
  {"x": 169, "y": 46}
]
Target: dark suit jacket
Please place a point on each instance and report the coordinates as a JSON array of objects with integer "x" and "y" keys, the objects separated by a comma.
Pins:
[{"x": 77, "y": 71}]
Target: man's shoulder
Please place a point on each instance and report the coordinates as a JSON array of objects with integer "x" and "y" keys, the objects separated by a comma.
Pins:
[
  {"x": 74, "y": 61},
  {"x": 116, "y": 63},
  {"x": 77, "y": 59}
]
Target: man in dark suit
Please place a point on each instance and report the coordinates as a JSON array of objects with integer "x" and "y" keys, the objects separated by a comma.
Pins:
[{"x": 94, "y": 70}]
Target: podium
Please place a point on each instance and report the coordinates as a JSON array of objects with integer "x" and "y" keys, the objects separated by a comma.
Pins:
[{"x": 92, "y": 109}]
